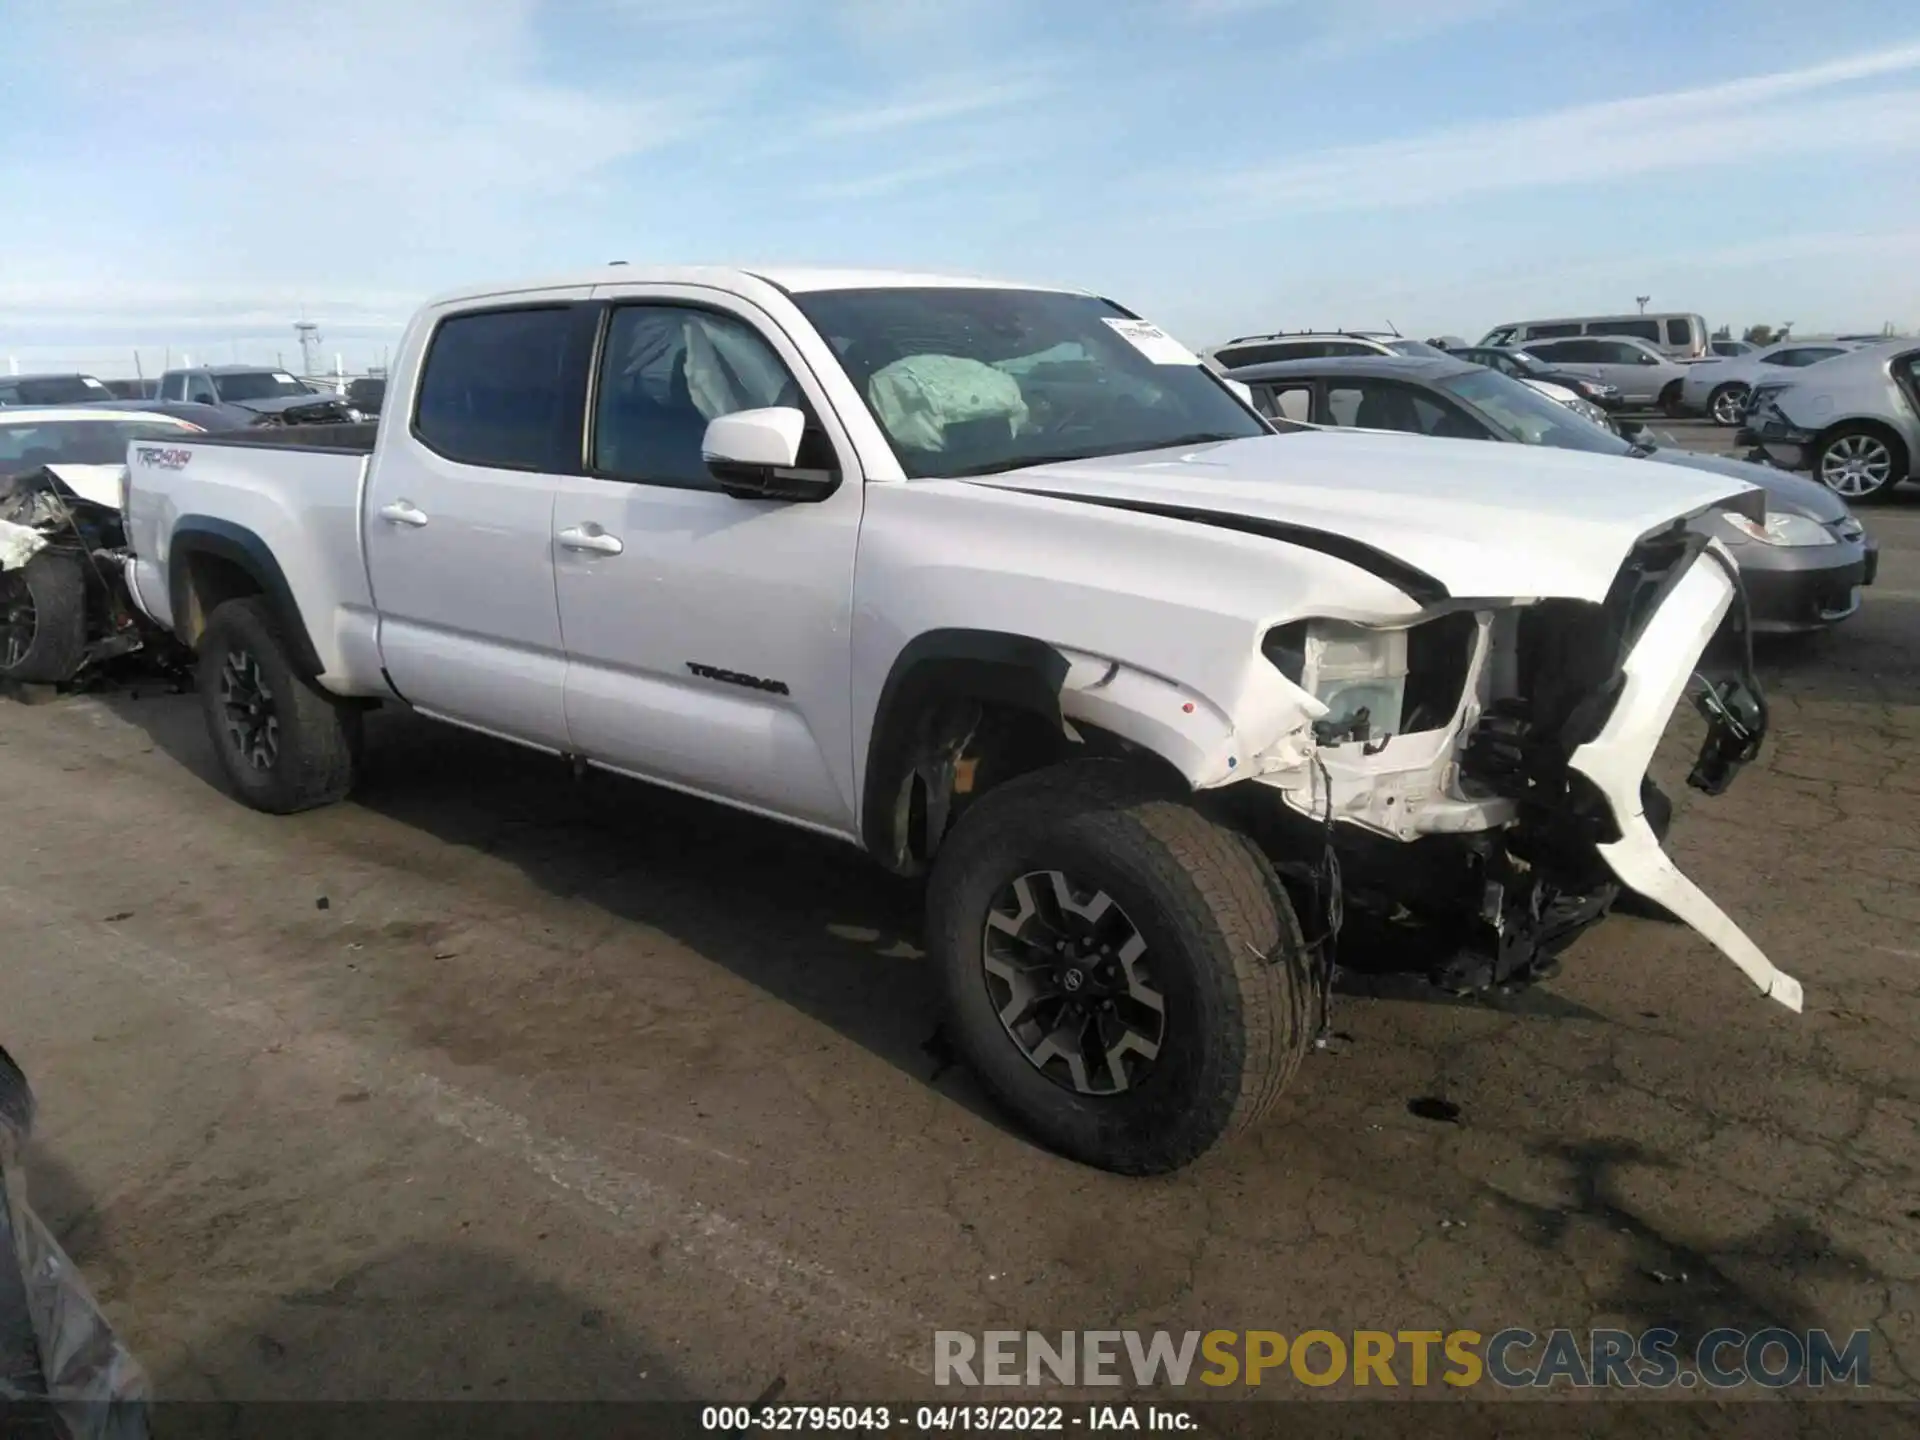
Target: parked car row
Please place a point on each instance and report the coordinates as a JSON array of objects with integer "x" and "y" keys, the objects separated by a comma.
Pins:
[
  {"x": 1805, "y": 565},
  {"x": 1592, "y": 398},
  {"x": 1846, "y": 408},
  {"x": 242, "y": 394}
]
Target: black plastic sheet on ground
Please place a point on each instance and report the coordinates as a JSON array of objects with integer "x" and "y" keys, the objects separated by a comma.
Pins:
[{"x": 64, "y": 1375}]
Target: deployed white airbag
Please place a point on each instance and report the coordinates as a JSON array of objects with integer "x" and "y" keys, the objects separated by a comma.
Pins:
[{"x": 917, "y": 397}]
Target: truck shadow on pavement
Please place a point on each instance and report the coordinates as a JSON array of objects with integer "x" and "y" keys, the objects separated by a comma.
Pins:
[{"x": 805, "y": 919}]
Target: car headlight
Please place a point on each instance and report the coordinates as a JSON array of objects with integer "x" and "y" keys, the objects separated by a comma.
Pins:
[
  {"x": 1377, "y": 682},
  {"x": 1780, "y": 529}
]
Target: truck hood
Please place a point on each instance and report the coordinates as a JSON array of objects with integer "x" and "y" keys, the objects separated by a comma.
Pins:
[{"x": 1481, "y": 520}]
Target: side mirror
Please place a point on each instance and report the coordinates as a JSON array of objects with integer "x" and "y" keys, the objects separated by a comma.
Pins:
[
  {"x": 1646, "y": 359},
  {"x": 755, "y": 455}
]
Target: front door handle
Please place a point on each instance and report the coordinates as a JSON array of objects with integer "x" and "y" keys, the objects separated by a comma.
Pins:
[
  {"x": 591, "y": 537},
  {"x": 403, "y": 512}
]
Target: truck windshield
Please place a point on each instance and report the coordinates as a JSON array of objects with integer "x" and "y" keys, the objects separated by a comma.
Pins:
[
  {"x": 28, "y": 445},
  {"x": 258, "y": 385},
  {"x": 968, "y": 381}
]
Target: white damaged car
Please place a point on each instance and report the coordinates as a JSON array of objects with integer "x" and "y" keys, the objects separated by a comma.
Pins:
[
  {"x": 1004, "y": 588},
  {"x": 62, "y": 471}
]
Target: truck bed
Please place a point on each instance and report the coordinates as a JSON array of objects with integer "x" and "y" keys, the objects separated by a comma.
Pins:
[{"x": 282, "y": 501}]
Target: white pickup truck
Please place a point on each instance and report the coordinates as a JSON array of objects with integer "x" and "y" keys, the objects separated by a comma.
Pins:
[{"x": 1002, "y": 586}]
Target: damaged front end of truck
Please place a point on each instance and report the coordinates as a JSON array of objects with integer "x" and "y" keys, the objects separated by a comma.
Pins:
[{"x": 1474, "y": 794}]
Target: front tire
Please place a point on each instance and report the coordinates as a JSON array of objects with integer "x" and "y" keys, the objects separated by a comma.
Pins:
[
  {"x": 1728, "y": 404},
  {"x": 284, "y": 743},
  {"x": 1669, "y": 402},
  {"x": 1125, "y": 976},
  {"x": 43, "y": 619}
]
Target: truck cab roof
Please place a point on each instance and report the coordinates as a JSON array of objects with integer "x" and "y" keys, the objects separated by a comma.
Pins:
[{"x": 792, "y": 279}]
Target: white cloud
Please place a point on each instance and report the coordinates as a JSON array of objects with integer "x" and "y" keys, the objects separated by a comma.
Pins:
[
  {"x": 1814, "y": 110},
  {"x": 906, "y": 177},
  {"x": 1319, "y": 29},
  {"x": 366, "y": 136},
  {"x": 957, "y": 98}
]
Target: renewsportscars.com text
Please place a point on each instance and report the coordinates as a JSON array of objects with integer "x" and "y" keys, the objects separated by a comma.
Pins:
[{"x": 1511, "y": 1358}]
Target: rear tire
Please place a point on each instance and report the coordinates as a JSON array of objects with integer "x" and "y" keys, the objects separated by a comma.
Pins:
[
  {"x": 43, "y": 619},
  {"x": 285, "y": 744},
  {"x": 1213, "y": 940},
  {"x": 1669, "y": 402},
  {"x": 1860, "y": 462}
]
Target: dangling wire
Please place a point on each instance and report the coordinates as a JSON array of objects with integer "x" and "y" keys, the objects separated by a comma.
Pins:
[{"x": 1327, "y": 882}]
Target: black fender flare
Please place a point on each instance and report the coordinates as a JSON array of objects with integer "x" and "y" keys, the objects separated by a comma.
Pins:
[
  {"x": 240, "y": 547},
  {"x": 932, "y": 673}
]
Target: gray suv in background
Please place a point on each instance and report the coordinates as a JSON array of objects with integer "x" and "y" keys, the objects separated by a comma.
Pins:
[
  {"x": 1853, "y": 420},
  {"x": 1643, "y": 376}
]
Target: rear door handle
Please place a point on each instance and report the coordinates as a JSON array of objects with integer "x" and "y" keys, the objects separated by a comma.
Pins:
[
  {"x": 403, "y": 512},
  {"x": 593, "y": 538}
]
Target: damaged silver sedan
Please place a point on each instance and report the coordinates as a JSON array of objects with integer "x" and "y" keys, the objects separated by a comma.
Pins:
[{"x": 63, "y": 605}]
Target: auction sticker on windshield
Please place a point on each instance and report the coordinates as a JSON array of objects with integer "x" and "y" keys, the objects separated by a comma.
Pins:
[{"x": 1152, "y": 342}]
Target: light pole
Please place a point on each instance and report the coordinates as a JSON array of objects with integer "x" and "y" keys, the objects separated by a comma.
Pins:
[{"x": 1643, "y": 302}]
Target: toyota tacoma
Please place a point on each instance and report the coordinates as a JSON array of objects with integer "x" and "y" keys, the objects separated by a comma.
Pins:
[{"x": 1002, "y": 586}]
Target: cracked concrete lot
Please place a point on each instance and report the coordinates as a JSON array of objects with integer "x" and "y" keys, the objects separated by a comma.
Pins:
[{"x": 488, "y": 1084}]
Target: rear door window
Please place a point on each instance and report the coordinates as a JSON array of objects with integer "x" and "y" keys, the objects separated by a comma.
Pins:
[
  {"x": 1565, "y": 352},
  {"x": 1389, "y": 405},
  {"x": 1553, "y": 331},
  {"x": 494, "y": 392},
  {"x": 1680, "y": 332},
  {"x": 1612, "y": 352},
  {"x": 1287, "y": 402}
]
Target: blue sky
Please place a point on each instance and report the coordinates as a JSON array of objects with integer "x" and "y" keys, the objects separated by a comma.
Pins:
[{"x": 191, "y": 176}]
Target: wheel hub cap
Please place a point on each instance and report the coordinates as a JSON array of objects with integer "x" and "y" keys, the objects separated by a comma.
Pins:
[
  {"x": 1856, "y": 465},
  {"x": 1071, "y": 979},
  {"x": 252, "y": 726}
]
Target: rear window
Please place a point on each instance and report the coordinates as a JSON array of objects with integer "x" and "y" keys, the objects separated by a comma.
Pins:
[
  {"x": 1235, "y": 356},
  {"x": 1679, "y": 332},
  {"x": 493, "y": 390}
]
